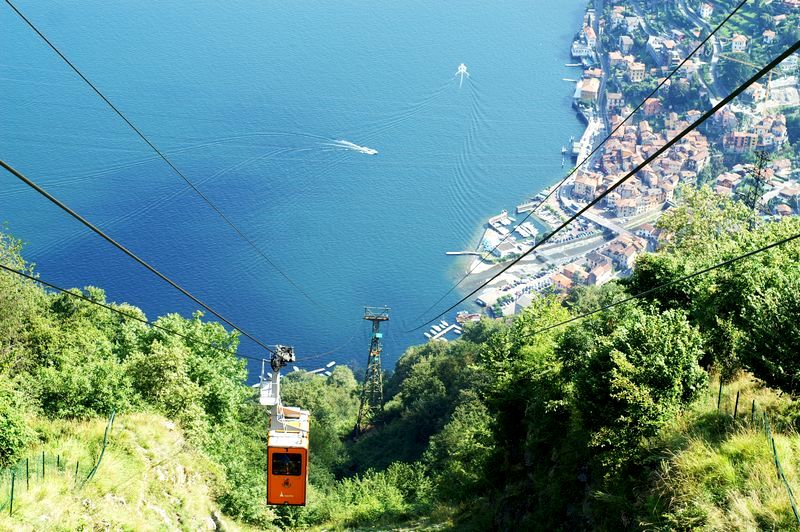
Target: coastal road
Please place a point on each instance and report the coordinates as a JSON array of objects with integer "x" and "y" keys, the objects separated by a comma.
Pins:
[
  {"x": 549, "y": 254},
  {"x": 594, "y": 215},
  {"x": 599, "y": 5}
]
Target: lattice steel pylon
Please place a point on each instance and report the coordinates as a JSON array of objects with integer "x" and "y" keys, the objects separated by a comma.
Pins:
[
  {"x": 372, "y": 391},
  {"x": 753, "y": 196}
]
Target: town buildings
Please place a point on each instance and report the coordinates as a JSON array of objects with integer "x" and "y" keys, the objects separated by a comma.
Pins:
[{"x": 608, "y": 239}]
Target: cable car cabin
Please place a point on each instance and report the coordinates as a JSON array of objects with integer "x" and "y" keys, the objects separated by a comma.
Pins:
[
  {"x": 287, "y": 456},
  {"x": 287, "y": 440}
]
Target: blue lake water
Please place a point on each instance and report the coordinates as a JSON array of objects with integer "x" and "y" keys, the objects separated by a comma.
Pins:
[{"x": 249, "y": 99}]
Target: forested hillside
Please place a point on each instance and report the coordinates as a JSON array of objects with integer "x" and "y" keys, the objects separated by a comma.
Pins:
[{"x": 609, "y": 422}]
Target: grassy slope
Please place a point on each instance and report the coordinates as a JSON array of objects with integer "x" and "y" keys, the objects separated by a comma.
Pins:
[
  {"x": 149, "y": 479},
  {"x": 713, "y": 474},
  {"x": 719, "y": 474}
]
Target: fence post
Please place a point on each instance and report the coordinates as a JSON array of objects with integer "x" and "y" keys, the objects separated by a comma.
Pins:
[
  {"x": 58, "y": 462},
  {"x": 719, "y": 395},
  {"x": 775, "y": 456},
  {"x": 27, "y": 474},
  {"x": 42, "y": 465},
  {"x": 77, "y": 462},
  {"x": 753, "y": 413},
  {"x": 103, "y": 449},
  {"x": 736, "y": 406},
  {"x": 13, "y": 480},
  {"x": 779, "y": 468}
]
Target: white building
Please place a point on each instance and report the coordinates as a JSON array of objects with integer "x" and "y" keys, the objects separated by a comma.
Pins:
[
  {"x": 580, "y": 50},
  {"x": 504, "y": 249},
  {"x": 739, "y": 43}
]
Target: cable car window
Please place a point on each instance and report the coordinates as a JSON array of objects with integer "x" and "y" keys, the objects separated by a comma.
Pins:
[{"x": 290, "y": 464}]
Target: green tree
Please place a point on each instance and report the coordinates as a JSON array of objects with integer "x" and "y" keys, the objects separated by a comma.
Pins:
[
  {"x": 460, "y": 454},
  {"x": 706, "y": 229},
  {"x": 23, "y": 312},
  {"x": 734, "y": 73},
  {"x": 160, "y": 377},
  {"x": 793, "y": 126},
  {"x": 333, "y": 403},
  {"x": 80, "y": 375},
  {"x": 639, "y": 369},
  {"x": 15, "y": 435},
  {"x": 755, "y": 304},
  {"x": 680, "y": 96}
]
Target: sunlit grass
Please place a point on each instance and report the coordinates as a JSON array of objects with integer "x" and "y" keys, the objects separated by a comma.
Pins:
[
  {"x": 149, "y": 479},
  {"x": 719, "y": 473}
]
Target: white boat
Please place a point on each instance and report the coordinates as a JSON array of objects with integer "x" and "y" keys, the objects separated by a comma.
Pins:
[
  {"x": 427, "y": 335},
  {"x": 436, "y": 328},
  {"x": 355, "y": 147},
  {"x": 443, "y": 324}
]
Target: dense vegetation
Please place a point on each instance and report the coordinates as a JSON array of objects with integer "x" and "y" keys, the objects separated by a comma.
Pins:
[{"x": 603, "y": 423}]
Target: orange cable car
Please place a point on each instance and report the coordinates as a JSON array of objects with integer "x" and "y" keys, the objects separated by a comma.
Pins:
[{"x": 287, "y": 441}]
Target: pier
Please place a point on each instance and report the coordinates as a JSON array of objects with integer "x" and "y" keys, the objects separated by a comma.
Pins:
[
  {"x": 475, "y": 253},
  {"x": 439, "y": 335},
  {"x": 526, "y": 207},
  {"x": 502, "y": 219}
]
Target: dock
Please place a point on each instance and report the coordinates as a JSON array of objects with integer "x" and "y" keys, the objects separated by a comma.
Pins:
[
  {"x": 439, "y": 335},
  {"x": 501, "y": 219},
  {"x": 526, "y": 207},
  {"x": 526, "y": 230}
]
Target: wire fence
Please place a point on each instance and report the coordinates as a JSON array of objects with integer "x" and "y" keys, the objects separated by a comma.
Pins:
[
  {"x": 779, "y": 467},
  {"x": 41, "y": 467},
  {"x": 764, "y": 420}
]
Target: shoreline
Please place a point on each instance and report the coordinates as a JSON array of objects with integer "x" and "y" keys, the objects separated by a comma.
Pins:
[
  {"x": 478, "y": 266},
  {"x": 586, "y": 235}
]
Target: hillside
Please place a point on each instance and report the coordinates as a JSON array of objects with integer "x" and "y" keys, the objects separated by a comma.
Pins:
[
  {"x": 607, "y": 422},
  {"x": 148, "y": 479},
  {"x": 718, "y": 473}
]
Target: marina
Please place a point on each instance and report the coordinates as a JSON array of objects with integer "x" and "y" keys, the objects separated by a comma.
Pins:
[
  {"x": 438, "y": 333},
  {"x": 526, "y": 207}
]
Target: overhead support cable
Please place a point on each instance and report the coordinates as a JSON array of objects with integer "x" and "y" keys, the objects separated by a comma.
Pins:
[
  {"x": 128, "y": 252},
  {"x": 163, "y": 157},
  {"x": 694, "y": 125},
  {"x": 585, "y": 159},
  {"x": 152, "y": 324},
  {"x": 665, "y": 285}
]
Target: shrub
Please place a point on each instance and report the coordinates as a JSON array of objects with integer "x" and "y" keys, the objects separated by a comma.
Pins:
[
  {"x": 14, "y": 433},
  {"x": 460, "y": 454}
]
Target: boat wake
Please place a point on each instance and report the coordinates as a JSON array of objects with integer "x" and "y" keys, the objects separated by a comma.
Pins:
[{"x": 354, "y": 147}]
